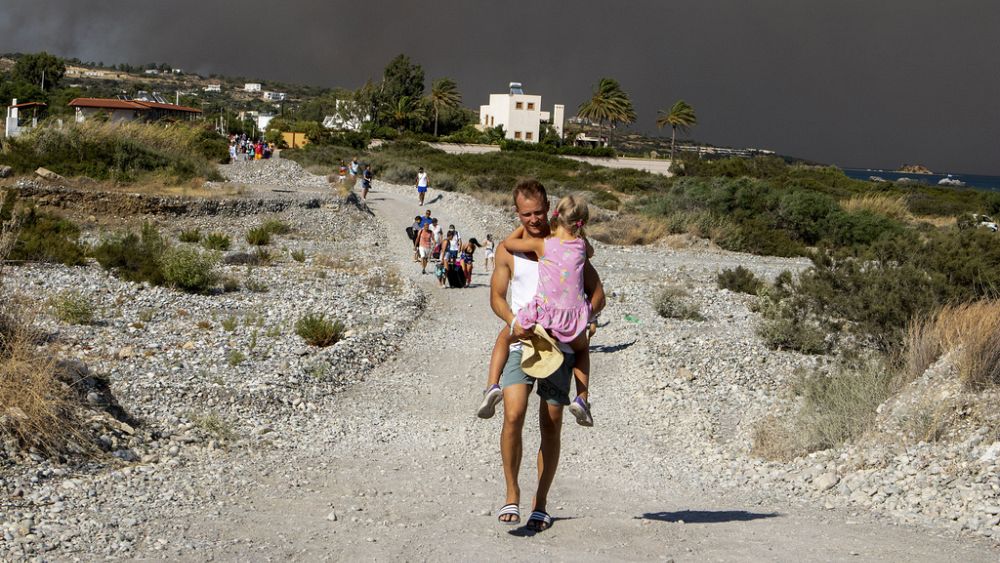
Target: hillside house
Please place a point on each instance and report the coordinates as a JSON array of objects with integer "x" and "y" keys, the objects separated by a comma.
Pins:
[
  {"x": 348, "y": 117},
  {"x": 520, "y": 114},
  {"x": 131, "y": 110},
  {"x": 251, "y": 87},
  {"x": 13, "y": 125},
  {"x": 273, "y": 96},
  {"x": 213, "y": 88}
]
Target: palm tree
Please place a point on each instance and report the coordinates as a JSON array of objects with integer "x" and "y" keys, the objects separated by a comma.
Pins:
[
  {"x": 405, "y": 112},
  {"x": 444, "y": 95},
  {"x": 609, "y": 103},
  {"x": 681, "y": 116}
]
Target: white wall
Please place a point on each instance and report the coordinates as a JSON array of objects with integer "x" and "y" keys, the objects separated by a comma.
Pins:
[
  {"x": 502, "y": 110},
  {"x": 118, "y": 115}
]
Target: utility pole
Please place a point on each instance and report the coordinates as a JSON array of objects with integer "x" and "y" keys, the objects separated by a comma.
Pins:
[{"x": 43, "y": 80}]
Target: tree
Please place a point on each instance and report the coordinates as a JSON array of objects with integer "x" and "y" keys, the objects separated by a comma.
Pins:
[
  {"x": 444, "y": 95},
  {"x": 608, "y": 104},
  {"x": 681, "y": 116},
  {"x": 41, "y": 69},
  {"x": 402, "y": 78},
  {"x": 406, "y": 112}
]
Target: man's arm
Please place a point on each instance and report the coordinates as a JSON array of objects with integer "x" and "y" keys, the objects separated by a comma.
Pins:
[{"x": 593, "y": 287}]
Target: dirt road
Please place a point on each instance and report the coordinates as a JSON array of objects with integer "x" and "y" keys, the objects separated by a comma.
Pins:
[{"x": 402, "y": 470}]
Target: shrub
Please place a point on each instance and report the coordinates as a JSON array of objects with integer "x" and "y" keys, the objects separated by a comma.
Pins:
[
  {"x": 42, "y": 237},
  {"x": 316, "y": 330},
  {"x": 230, "y": 284},
  {"x": 627, "y": 230},
  {"x": 970, "y": 329},
  {"x": 834, "y": 409},
  {"x": 193, "y": 236},
  {"x": 133, "y": 257},
  {"x": 298, "y": 255},
  {"x": 893, "y": 207},
  {"x": 190, "y": 269},
  {"x": 276, "y": 227},
  {"x": 73, "y": 307},
  {"x": 672, "y": 303},
  {"x": 229, "y": 323},
  {"x": 259, "y": 236},
  {"x": 740, "y": 280},
  {"x": 216, "y": 241},
  {"x": 235, "y": 358}
]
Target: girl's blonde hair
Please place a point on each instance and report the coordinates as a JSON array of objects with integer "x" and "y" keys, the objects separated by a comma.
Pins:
[{"x": 572, "y": 213}]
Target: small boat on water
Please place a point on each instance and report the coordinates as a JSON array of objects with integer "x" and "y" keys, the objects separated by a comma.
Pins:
[
  {"x": 949, "y": 181},
  {"x": 905, "y": 180}
]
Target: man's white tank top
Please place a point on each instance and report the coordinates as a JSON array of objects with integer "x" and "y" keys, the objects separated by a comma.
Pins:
[{"x": 523, "y": 287}]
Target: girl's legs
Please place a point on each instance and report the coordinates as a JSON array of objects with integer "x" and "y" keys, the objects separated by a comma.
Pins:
[
  {"x": 580, "y": 406},
  {"x": 493, "y": 395},
  {"x": 581, "y": 364}
]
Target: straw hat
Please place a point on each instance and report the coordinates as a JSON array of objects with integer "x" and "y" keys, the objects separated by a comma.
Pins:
[{"x": 540, "y": 355}]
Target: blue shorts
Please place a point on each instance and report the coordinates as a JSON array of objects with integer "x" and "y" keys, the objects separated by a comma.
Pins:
[
  {"x": 554, "y": 389},
  {"x": 421, "y": 189}
]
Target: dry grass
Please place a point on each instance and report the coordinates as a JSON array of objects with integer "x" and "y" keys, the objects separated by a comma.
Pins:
[
  {"x": 496, "y": 199},
  {"x": 936, "y": 221},
  {"x": 627, "y": 230},
  {"x": 890, "y": 206},
  {"x": 159, "y": 185},
  {"x": 970, "y": 329},
  {"x": 339, "y": 263}
]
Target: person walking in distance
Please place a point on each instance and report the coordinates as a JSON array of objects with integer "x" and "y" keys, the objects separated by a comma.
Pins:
[
  {"x": 425, "y": 240},
  {"x": 519, "y": 273},
  {"x": 421, "y": 184},
  {"x": 366, "y": 181}
]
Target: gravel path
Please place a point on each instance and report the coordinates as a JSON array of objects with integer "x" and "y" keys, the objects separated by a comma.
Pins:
[{"x": 384, "y": 458}]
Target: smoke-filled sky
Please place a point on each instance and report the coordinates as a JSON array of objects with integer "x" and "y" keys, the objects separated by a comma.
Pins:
[{"x": 849, "y": 82}]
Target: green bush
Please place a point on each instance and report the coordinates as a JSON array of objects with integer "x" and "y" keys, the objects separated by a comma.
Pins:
[
  {"x": 216, "y": 241},
  {"x": 740, "y": 280},
  {"x": 276, "y": 227},
  {"x": 47, "y": 238},
  {"x": 133, "y": 257},
  {"x": 193, "y": 236},
  {"x": 298, "y": 255},
  {"x": 73, "y": 307},
  {"x": 190, "y": 269},
  {"x": 672, "y": 303},
  {"x": 316, "y": 330},
  {"x": 259, "y": 236}
]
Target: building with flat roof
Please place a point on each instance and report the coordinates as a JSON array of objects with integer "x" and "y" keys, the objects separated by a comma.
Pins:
[
  {"x": 251, "y": 87},
  {"x": 520, "y": 114}
]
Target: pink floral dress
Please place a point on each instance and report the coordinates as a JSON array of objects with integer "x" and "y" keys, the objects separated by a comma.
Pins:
[{"x": 560, "y": 305}]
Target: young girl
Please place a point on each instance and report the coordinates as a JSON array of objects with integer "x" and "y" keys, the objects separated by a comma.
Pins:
[{"x": 560, "y": 305}]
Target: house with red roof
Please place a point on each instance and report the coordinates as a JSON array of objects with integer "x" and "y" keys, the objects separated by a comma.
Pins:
[{"x": 131, "y": 110}]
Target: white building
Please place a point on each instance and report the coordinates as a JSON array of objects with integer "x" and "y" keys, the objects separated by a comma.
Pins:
[
  {"x": 274, "y": 96},
  {"x": 520, "y": 114},
  {"x": 151, "y": 71},
  {"x": 251, "y": 87},
  {"x": 12, "y": 125},
  {"x": 213, "y": 88}
]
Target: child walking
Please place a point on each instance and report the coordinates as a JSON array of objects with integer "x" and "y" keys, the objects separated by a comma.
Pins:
[{"x": 560, "y": 305}]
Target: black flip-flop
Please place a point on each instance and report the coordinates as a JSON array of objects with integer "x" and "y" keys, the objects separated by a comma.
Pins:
[
  {"x": 510, "y": 509},
  {"x": 537, "y": 518}
]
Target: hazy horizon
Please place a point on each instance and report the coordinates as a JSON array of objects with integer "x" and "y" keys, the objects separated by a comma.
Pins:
[{"x": 851, "y": 84}]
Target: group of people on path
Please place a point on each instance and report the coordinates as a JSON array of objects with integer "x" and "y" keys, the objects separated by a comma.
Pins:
[
  {"x": 356, "y": 171},
  {"x": 452, "y": 257},
  {"x": 244, "y": 149}
]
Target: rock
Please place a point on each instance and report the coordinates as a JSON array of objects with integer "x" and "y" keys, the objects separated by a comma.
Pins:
[
  {"x": 826, "y": 481},
  {"x": 6, "y": 171},
  {"x": 991, "y": 453},
  {"x": 332, "y": 516},
  {"x": 49, "y": 175}
]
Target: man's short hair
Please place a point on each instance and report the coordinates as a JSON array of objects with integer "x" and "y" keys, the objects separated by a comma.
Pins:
[
  {"x": 434, "y": 220},
  {"x": 530, "y": 189}
]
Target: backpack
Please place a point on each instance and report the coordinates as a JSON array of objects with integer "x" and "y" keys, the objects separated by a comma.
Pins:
[{"x": 411, "y": 233}]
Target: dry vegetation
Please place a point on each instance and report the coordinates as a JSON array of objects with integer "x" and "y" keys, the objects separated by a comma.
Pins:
[
  {"x": 893, "y": 207},
  {"x": 971, "y": 331},
  {"x": 36, "y": 408},
  {"x": 627, "y": 230}
]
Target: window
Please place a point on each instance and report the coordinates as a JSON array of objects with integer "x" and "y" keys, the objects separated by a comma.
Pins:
[
  {"x": 531, "y": 105},
  {"x": 529, "y": 135},
  {"x": 517, "y": 134},
  {"x": 518, "y": 105}
]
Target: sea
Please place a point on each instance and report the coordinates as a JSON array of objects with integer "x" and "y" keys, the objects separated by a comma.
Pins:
[{"x": 970, "y": 180}]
